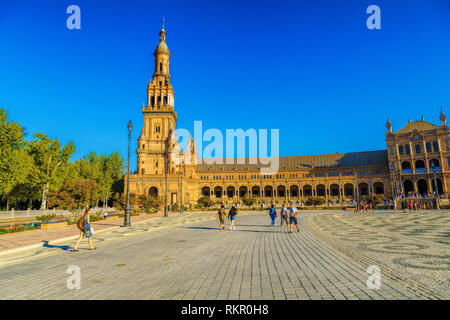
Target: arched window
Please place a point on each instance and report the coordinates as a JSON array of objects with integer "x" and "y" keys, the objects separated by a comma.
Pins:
[
  {"x": 428, "y": 145},
  {"x": 417, "y": 148},
  {"x": 152, "y": 101},
  {"x": 165, "y": 99},
  {"x": 160, "y": 67},
  {"x": 435, "y": 146},
  {"x": 400, "y": 150}
]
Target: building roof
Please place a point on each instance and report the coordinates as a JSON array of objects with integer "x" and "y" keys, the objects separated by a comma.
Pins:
[
  {"x": 337, "y": 160},
  {"x": 417, "y": 125}
]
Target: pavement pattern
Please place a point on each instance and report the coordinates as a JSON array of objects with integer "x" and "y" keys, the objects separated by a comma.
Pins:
[{"x": 187, "y": 257}]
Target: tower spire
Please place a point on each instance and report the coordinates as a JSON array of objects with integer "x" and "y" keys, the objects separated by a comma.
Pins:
[{"x": 163, "y": 23}]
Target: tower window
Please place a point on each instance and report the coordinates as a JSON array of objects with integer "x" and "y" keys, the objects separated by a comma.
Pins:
[
  {"x": 157, "y": 129},
  {"x": 160, "y": 67}
]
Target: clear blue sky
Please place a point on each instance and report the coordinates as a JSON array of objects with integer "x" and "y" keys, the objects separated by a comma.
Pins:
[{"x": 310, "y": 68}]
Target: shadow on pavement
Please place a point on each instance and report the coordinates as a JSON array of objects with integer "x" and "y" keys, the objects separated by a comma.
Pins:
[
  {"x": 46, "y": 245},
  {"x": 236, "y": 230}
]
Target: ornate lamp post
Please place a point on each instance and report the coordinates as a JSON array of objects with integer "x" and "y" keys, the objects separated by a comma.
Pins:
[
  {"x": 165, "y": 189},
  {"x": 433, "y": 168},
  {"x": 394, "y": 187},
  {"x": 127, "y": 221},
  {"x": 181, "y": 187}
]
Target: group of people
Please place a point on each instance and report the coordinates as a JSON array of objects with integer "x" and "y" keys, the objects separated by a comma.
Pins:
[
  {"x": 365, "y": 206},
  {"x": 292, "y": 214},
  {"x": 284, "y": 215},
  {"x": 231, "y": 216},
  {"x": 416, "y": 205}
]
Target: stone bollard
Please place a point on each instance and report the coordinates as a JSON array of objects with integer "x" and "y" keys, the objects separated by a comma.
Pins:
[{"x": 12, "y": 213}]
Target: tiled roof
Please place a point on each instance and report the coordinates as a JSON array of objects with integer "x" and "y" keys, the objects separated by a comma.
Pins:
[
  {"x": 337, "y": 160},
  {"x": 417, "y": 125}
]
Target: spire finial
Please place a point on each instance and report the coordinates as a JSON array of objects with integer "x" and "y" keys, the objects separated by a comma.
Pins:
[{"x": 163, "y": 23}]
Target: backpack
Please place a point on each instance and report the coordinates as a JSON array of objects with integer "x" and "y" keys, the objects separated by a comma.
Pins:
[
  {"x": 80, "y": 223},
  {"x": 272, "y": 211},
  {"x": 233, "y": 211}
]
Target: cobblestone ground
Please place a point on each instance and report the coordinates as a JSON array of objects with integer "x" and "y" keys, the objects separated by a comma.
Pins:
[
  {"x": 187, "y": 257},
  {"x": 413, "y": 245}
]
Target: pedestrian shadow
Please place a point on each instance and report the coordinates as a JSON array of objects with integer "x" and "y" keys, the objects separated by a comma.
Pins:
[
  {"x": 236, "y": 230},
  {"x": 46, "y": 245}
]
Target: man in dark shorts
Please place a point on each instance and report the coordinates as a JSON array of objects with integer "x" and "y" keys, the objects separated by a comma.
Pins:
[{"x": 293, "y": 213}]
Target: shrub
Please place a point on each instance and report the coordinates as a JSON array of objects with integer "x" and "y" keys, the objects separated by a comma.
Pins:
[
  {"x": 204, "y": 202},
  {"x": 249, "y": 200}
]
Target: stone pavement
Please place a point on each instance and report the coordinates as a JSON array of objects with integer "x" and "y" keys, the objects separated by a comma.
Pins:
[
  {"x": 413, "y": 245},
  {"x": 21, "y": 239},
  {"x": 189, "y": 258}
]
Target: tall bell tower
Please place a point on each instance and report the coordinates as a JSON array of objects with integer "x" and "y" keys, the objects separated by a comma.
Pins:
[{"x": 157, "y": 136}]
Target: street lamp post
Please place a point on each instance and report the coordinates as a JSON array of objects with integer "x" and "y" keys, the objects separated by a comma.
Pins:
[
  {"x": 127, "y": 221},
  {"x": 181, "y": 188},
  {"x": 165, "y": 189},
  {"x": 394, "y": 188},
  {"x": 261, "y": 192},
  {"x": 433, "y": 168}
]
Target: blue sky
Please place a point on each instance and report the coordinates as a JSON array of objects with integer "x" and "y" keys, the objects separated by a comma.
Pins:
[{"x": 310, "y": 68}]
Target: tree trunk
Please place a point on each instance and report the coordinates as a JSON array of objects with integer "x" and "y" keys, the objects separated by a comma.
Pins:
[
  {"x": 44, "y": 197},
  {"x": 7, "y": 203}
]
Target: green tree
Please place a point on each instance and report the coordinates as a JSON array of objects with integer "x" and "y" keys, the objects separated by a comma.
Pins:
[
  {"x": 75, "y": 194},
  {"x": 50, "y": 159},
  {"x": 15, "y": 164},
  {"x": 149, "y": 203}
]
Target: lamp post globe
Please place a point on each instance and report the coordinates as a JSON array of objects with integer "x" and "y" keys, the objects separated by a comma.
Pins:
[{"x": 127, "y": 221}]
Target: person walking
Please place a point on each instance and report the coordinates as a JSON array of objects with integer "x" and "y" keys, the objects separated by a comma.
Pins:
[
  {"x": 232, "y": 216},
  {"x": 84, "y": 224},
  {"x": 273, "y": 214},
  {"x": 293, "y": 213},
  {"x": 284, "y": 216},
  {"x": 221, "y": 215}
]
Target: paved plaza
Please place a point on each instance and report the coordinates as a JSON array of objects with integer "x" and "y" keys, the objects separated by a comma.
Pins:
[{"x": 187, "y": 257}]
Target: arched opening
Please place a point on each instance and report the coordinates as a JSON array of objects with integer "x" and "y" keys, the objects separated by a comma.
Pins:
[
  {"x": 230, "y": 192},
  {"x": 406, "y": 165},
  {"x": 435, "y": 163},
  {"x": 378, "y": 188},
  {"x": 242, "y": 191},
  {"x": 153, "y": 192},
  {"x": 408, "y": 186},
  {"x": 268, "y": 190},
  {"x": 307, "y": 191},
  {"x": 281, "y": 191},
  {"x": 205, "y": 191},
  {"x": 334, "y": 190},
  {"x": 422, "y": 186},
  {"x": 348, "y": 190},
  {"x": 420, "y": 164},
  {"x": 320, "y": 190},
  {"x": 293, "y": 191},
  {"x": 439, "y": 186},
  {"x": 363, "y": 189},
  {"x": 255, "y": 191},
  {"x": 218, "y": 192}
]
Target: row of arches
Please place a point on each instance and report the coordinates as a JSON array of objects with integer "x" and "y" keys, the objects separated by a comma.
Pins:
[
  {"x": 422, "y": 186},
  {"x": 420, "y": 164},
  {"x": 348, "y": 190}
]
